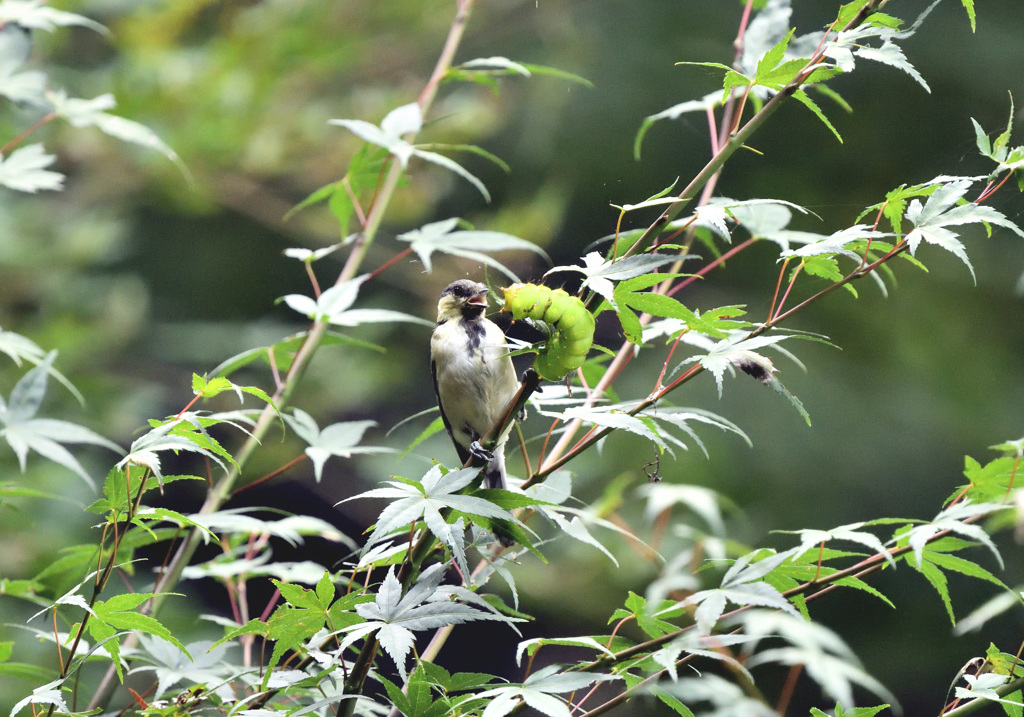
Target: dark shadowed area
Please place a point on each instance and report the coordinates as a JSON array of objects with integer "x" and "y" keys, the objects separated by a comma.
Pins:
[{"x": 140, "y": 277}]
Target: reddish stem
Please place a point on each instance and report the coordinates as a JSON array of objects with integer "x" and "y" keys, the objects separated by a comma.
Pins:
[
  {"x": 273, "y": 474},
  {"x": 273, "y": 368},
  {"x": 544, "y": 445},
  {"x": 390, "y": 263},
  {"x": 787, "y": 689},
  {"x": 713, "y": 131},
  {"x": 707, "y": 268},
  {"x": 355, "y": 202},
  {"x": 778, "y": 287},
  {"x": 1013, "y": 474},
  {"x": 989, "y": 190},
  {"x": 312, "y": 279},
  {"x": 668, "y": 360},
  {"x": 187, "y": 406},
  {"x": 792, "y": 283},
  {"x": 56, "y": 640},
  {"x": 27, "y": 133},
  {"x": 744, "y": 21}
]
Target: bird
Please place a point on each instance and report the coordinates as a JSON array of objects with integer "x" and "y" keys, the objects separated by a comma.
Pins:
[{"x": 473, "y": 375}]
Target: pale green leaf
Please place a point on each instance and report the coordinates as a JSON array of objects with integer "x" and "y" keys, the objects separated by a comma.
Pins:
[
  {"x": 807, "y": 102},
  {"x": 92, "y": 113},
  {"x": 24, "y": 170},
  {"x": 452, "y": 166}
]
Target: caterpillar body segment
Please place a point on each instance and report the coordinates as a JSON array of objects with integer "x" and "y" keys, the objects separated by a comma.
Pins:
[{"x": 572, "y": 326}]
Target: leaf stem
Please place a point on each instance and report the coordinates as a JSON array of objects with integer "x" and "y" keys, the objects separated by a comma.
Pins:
[
  {"x": 703, "y": 271},
  {"x": 273, "y": 474},
  {"x": 45, "y": 119}
]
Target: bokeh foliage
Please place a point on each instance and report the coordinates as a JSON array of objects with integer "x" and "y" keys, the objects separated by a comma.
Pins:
[{"x": 139, "y": 277}]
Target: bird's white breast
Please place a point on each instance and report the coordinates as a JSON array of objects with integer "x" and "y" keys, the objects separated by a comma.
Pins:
[{"x": 475, "y": 378}]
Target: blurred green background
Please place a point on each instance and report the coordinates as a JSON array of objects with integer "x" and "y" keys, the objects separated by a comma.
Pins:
[{"x": 140, "y": 278}]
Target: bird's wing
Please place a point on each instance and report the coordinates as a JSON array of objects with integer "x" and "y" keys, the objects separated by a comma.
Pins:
[{"x": 459, "y": 448}]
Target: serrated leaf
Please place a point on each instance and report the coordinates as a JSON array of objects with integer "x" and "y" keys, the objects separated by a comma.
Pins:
[
  {"x": 404, "y": 120},
  {"x": 25, "y": 88},
  {"x": 333, "y": 306},
  {"x": 208, "y": 388},
  {"x": 952, "y": 519},
  {"x": 452, "y": 166},
  {"x": 292, "y": 528},
  {"x": 943, "y": 209},
  {"x": 443, "y": 237},
  {"x": 394, "y": 617},
  {"x": 732, "y": 80},
  {"x": 48, "y": 694},
  {"x": 772, "y": 57},
  {"x": 430, "y": 500},
  {"x": 786, "y": 73},
  {"x": 37, "y": 15},
  {"x": 45, "y": 436},
  {"x": 739, "y": 352},
  {"x": 891, "y": 54},
  {"x": 674, "y": 112},
  {"x": 981, "y": 139},
  {"x": 200, "y": 663},
  {"x": 655, "y": 304},
  {"x": 962, "y": 566},
  {"x": 24, "y": 170},
  {"x": 851, "y": 43},
  {"x": 337, "y": 440},
  {"x": 602, "y": 274},
  {"x": 536, "y": 692},
  {"x": 852, "y": 532},
  {"x": 183, "y": 433},
  {"x": 843, "y": 242},
  {"x": 673, "y": 702},
  {"x": 938, "y": 581},
  {"x": 711, "y": 603},
  {"x": 858, "y": 584},
  {"x": 118, "y": 615},
  {"x": 847, "y": 12},
  {"x": 632, "y": 329},
  {"x": 92, "y": 113},
  {"x": 615, "y": 417},
  {"x": 969, "y": 7},
  {"x": 802, "y": 97}
]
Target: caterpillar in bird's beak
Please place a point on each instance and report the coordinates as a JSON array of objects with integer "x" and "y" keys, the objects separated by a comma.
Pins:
[{"x": 572, "y": 326}]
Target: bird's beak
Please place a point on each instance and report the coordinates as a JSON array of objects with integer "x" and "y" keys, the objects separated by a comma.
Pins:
[{"x": 479, "y": 299}]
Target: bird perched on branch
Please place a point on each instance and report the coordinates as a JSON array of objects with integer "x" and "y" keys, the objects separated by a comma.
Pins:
[{"x": 473, "y": 375}]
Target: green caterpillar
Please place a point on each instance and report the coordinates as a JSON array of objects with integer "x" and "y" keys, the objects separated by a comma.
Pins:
[{"x": 572, "y": 326}]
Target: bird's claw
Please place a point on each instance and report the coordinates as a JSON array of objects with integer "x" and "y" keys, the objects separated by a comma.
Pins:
[
  {"x": 480, "y": 453},
  {"x": 530, "y": 376}
]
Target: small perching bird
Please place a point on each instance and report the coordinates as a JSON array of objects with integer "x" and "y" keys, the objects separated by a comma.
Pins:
[{"x": 473, "y": 375}]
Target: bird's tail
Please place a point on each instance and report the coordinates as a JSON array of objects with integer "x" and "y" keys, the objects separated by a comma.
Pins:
[{"x": 494, "y": 477}]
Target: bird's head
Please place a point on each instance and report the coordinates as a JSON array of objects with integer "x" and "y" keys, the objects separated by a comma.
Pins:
[{"x": 462, "y": 299}]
